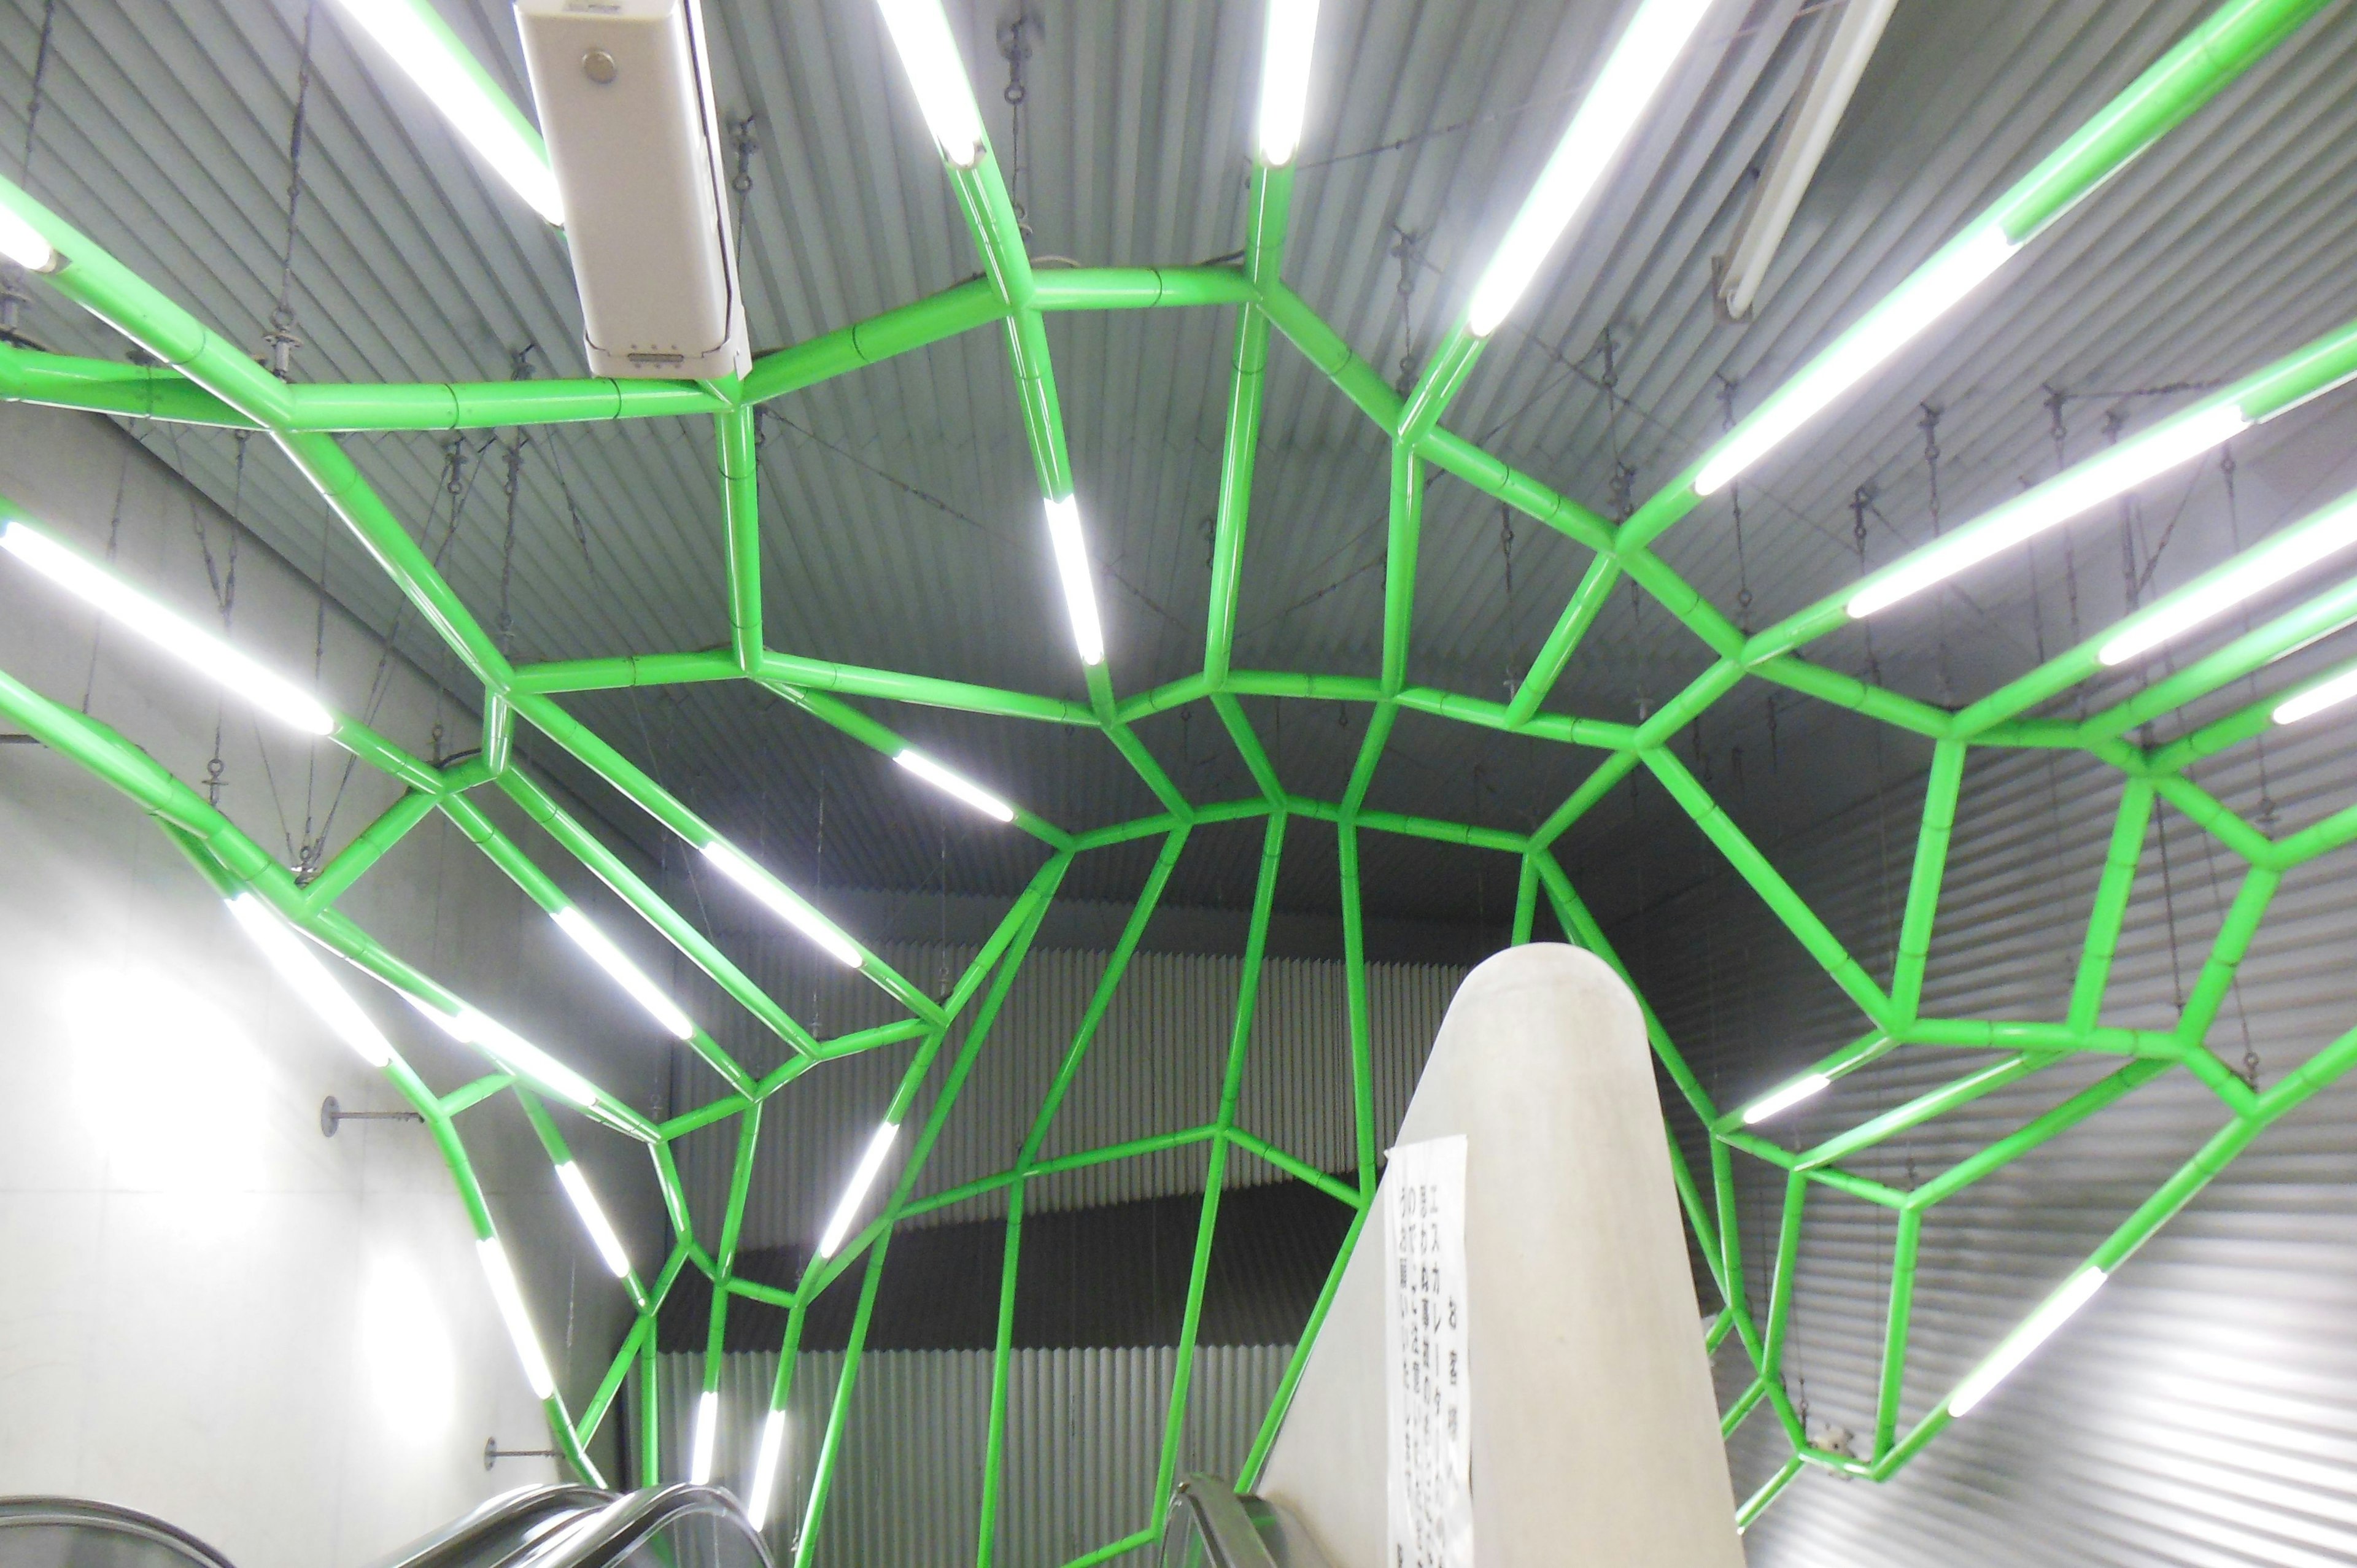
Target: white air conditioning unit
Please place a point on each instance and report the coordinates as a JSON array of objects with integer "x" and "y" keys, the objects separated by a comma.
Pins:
[{"x": 624, "y": 93}]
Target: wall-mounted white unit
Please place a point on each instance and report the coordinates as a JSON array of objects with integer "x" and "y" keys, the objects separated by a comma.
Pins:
[{"x": 623, "y": 88}]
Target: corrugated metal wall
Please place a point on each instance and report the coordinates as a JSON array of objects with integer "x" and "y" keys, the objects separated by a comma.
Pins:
[
  {"x": 2203, "y": 1408},
  {"x": 1155, "y": 1067},
  {"x": 1083, "y": 1438}
]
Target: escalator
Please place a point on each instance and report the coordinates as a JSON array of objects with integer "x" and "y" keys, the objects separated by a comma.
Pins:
[{"x": 1210, "y": 1526}]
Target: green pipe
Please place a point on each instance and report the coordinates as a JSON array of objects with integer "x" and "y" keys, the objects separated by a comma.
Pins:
[
  {"x": 1705, "y": 1234},
  {"x": 1371, "y": 753},
  {"x": 1412, "y": 826},
  {"x": 1501, "y": 716},
  {"x": 1324, "y": 347},
  {"x": 2112, "y": 894},
  {"x": 1354, "y": 984},
  {"x": 2226, "y": 953},
  {"x": 1501, "y": 481},
  {"x": 838, "y": 1414},
  {"x": 1133, "y": 751},
  {"x": 740, "y": 494},
  {"x": 1906, "y": 1243},
  {"x": 556, "y": 678},
  {"x": 467, "y": 1096},
  {"x": 1248, "y": 746},
  {"x": 552, "y": 1143},
  {"x": 1406, "y": 523},
  {"x": 1587, "y": 602},
  {"x": 1256, "y": 1457},
  {"x": 1730, "y": 1257},
  {"x": 1444, "y": 376},
  {"x": 1757, "y": 1503},
  {"x": 1266, "y": 201},
  {"x": 1781, "y": 1285},
  {"x": 1170, "y": 694},
  {"x": 1939, "y": 791},
  {"x": 1868, "y": 1047},
  {"x": 1849, "y": 692},
  {"x": 1526, "y": 900},
  {"x": 1138, "y": 288},
  {"x": 1683, "y": 601},
  {"x": 1923, "y": 1108},
  {"x": 1745, "y": 1403},
  {"x": 2009, "y": 1034},
  {"x": 1580, "y": 927},
  {"x": 1592, "y": 789},
  {"x": 383, "y": 754},
  {"x": 337, "y": 877},
  {"x": 993, "y": 1453},
  {"x": 2105, "y": 1092},
  {"x": 593, "y": 1414},
  {"x": 948, "y": 313},
  {"x": 740, "y": 1185},
  {"x": 1299, "y": 1169},
  {"x": 650, "y": 1414},
  {"x": 1113, "y": 1548},
  {"x": 2286, "y": 633}
]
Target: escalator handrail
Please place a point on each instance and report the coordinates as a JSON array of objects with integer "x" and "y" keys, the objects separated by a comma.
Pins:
[
  {"x": 456, "y": 1539},
  {"x": 1226, "y": 1530},
  {"x": 56, "y": 1510},
  {"x": 606, "y": 1537}
]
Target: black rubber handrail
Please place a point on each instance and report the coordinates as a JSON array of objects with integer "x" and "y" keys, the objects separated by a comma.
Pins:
[{"x": 30, "y": 1511}]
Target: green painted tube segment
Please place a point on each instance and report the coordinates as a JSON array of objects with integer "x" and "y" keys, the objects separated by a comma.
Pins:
[
  {"x": 372, "y": 844},
  {"x": 740, "y": 492},
  {"x": 1406, "y": 527},
  {"x": 1587, "y": 602},
  {"x": 900, "y": 330},
  {"x": 2112, "y": 893},
  {"x": 830, "y": 1452},
  {"x": 1265, "y": 1439},
  {"x": 1355, "y": 1003},
  {"x": 1266, "y": 201},
  {"x": 1941, "y": 789}
]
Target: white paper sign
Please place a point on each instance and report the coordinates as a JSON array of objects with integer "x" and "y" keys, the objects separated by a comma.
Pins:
[{"x": 1428, "y": 1382}]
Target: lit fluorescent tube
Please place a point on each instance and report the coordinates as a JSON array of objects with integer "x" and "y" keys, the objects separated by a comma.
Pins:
[
  {"x": 782, "y": 901},
  {"x": 708, "y": 1424},
  {"x": 424, "y": 49},
  {"x": 765, "y": 1468},
  {"x": 1284, "y": 78},
  {"x": 2058, "y": 500},
  {"x": 22, "y": 244},
  {"x": 941, "y": 778},
  {"x": 627, "y": 975},
  {"x": 857, "y": 1193},
  {"x": 1632, "y": 74},
  {"x": 208, "y": 654},
  {"x": 1072, "y": 567},
  {"x": 929, "y": 55},
  {"x": 2316, "y": 699},
  {"x": 501, "y": 1275},
  {"x": 593, "y": 1218},
  {"x": 2034, "y": 1331},
  {"x": 1784, "y": 1099},
  {"x": 2293, "y": 552},
  {"x": 300, "y": 967},
  {"x": 491, "y": 1035},
  {"x": 1881, "y": 332}
]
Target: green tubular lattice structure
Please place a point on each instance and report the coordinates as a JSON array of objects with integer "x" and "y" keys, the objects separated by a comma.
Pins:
[{"x": 202, "y": 379}]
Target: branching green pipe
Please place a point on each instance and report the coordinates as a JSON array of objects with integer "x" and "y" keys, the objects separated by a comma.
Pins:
[
  {"x": 1267, "y": 200},
  {"x": 2112, "y": 894},
  {"x": 740, "y": 494},
  {"x": 1256, "y": 1457},
  {"x": 1939, "y": 791}
]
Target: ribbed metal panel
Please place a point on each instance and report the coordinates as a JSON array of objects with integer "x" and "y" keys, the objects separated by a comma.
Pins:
[
  {"x": 1083, "y": 1440},
  {"x": 1155, "y": 1067},
  {"x": 2199, "y": 1410}
]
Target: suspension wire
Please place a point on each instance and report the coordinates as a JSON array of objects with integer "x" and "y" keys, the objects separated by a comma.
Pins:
[
  {"x": 2059, "y": 433},
  {"x": 1408, "y": 249},
  {"x": 113, "y": 535},
  {"x": 2267, "y": 812},
  {"x": 281, "y": 340},
  {"x": 1861, "y": 501},
  {"x": 223, "y": 581},
  {"x": 2114, "y": 420},
  {"x": 1735, "y": 504},
  {"x": 741, "y": 139},
  {"x": 1515, "y": 665},
  {"x": 13, "y": 297},
  {"x": 1930, "y": 426},
  {"x": 1015, "y": 47}
]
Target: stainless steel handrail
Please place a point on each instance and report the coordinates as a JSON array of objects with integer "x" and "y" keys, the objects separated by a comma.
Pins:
[
  {"x": 27, "y": 1512},
  {"x": 606, "y": 1537},
  {"x": 510, "y": 1511},
  {"x": 1234, "y": 1531}
]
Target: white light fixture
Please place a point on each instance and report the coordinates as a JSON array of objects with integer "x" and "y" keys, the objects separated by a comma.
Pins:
[
  {"x": 491, "y": 1035},
  {"x": 2058, "y": 500},
  {"x": 781, "y": 901},
  {"x": 136, "y": 612},
  {"x": 2034, "y": 1331},
  {"x": 1631, "y": 75},
  {"x": 707, "y": 1425},
  {"x": 1284, "y": 78},
  {"x": 424, "y": 49},
  {"x": 300, "y": 967},
  {"x": 1784, "y": 1099},
  {"x": 929, "y": 55},
  {"x": 22, "y": 244},
  {"x": 501, "y": 1275},
  {"x": 2293, "y": 552},
  {"x": 1072, "y": 568},
  {"x": 593, "y": 1218},
  {"x": 2316, "y": 699},
  {"x": 941, "y": 778},
  {"x": 857, "y": 1193},
  {"x": 765, "y": 1468},
  {"x": 1881, "y": 332},
  {"x": 627, "y": 975}
]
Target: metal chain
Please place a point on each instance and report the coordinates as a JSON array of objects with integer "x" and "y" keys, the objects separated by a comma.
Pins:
[
  {"x": 13, "y": 297},
  {"x": 741, "y": 137},
  {"x": 281, "y": 340},
  {"x": 1930, "y": 426},
  {"x": 2060, "y": 434},
  {"x": 1015, "y": 47},
  {"x": 1408, "y": 249},
  {"x": 1735, "y": 504},
  {"x": 1514, "y": 632},
  {"x": 510, "y": 484}
]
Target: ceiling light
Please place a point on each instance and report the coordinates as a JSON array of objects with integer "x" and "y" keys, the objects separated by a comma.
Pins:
[
  {"x": 782, "y": 901},
  {"x": 1881, "y": 332},
  {"x": 593, "y": 1218},
  {"x": 502, "y": 1275},
  {"x": 1072, "y": 567},
  {"x": 300, "y": 967},
  {"x": 23, "y": 245},
  {"x": 512, "y": 1050},
  {"x": 2316, "y": 699},
  {"x": 857, "y": 1193},
  {"x": 929, "y": 55},
  {"x": 1632, "y": 73},
  {"x": 1784, "y": 1099},
  {"x": 278, "y": 697},
  {"x": 708, "y": 1424},
  {"x": 2034, "y": 1331},
  {"x": 2059, "y": 500},
  {"x": 765, "y": 1468},
  {"x": 2291, "y": 552},
  {"x": 1285, "y": 77},
  {"x": 627, "y": 975},
  {"x": 941, "y": 778},
  {"x": 423, "y": 46}
]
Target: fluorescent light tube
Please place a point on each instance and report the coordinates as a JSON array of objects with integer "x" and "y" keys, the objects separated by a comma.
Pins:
[
  {"x": 1072, "y": 567},
  {"x": 208, "y": 654},
  {"x": 627, "y": 975},
  {"x": 515, "y": 1051},
  {"x": 2058, "y": 500},
  {"x": 501, "y": 1275},
  {"x": 1784, "y": 1099},
  {"x": 857, "y": 1193},
  {"x": 2034, "y": 1331},
  {"x": 593, "y": 1218},
  {"x": 22, "y": 244},
  {"x": 707, "y": 1422},
  {"x": 300, "y": 967},
  {"x": 2292, "y": 552},
  {"x": 1880, "y": 333},
  {"x": 941, "y": 778},
  {"x": 781, "y": 901},
  {"x": 1631, "y": 75},
  {"x": 424, "y": 49},
  {"x": 765, "y": 1468},
  {"x": 921, "y": 33},
  {"x": 1284, "y": 78},
  {"x": 2316, "y": 699}
]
